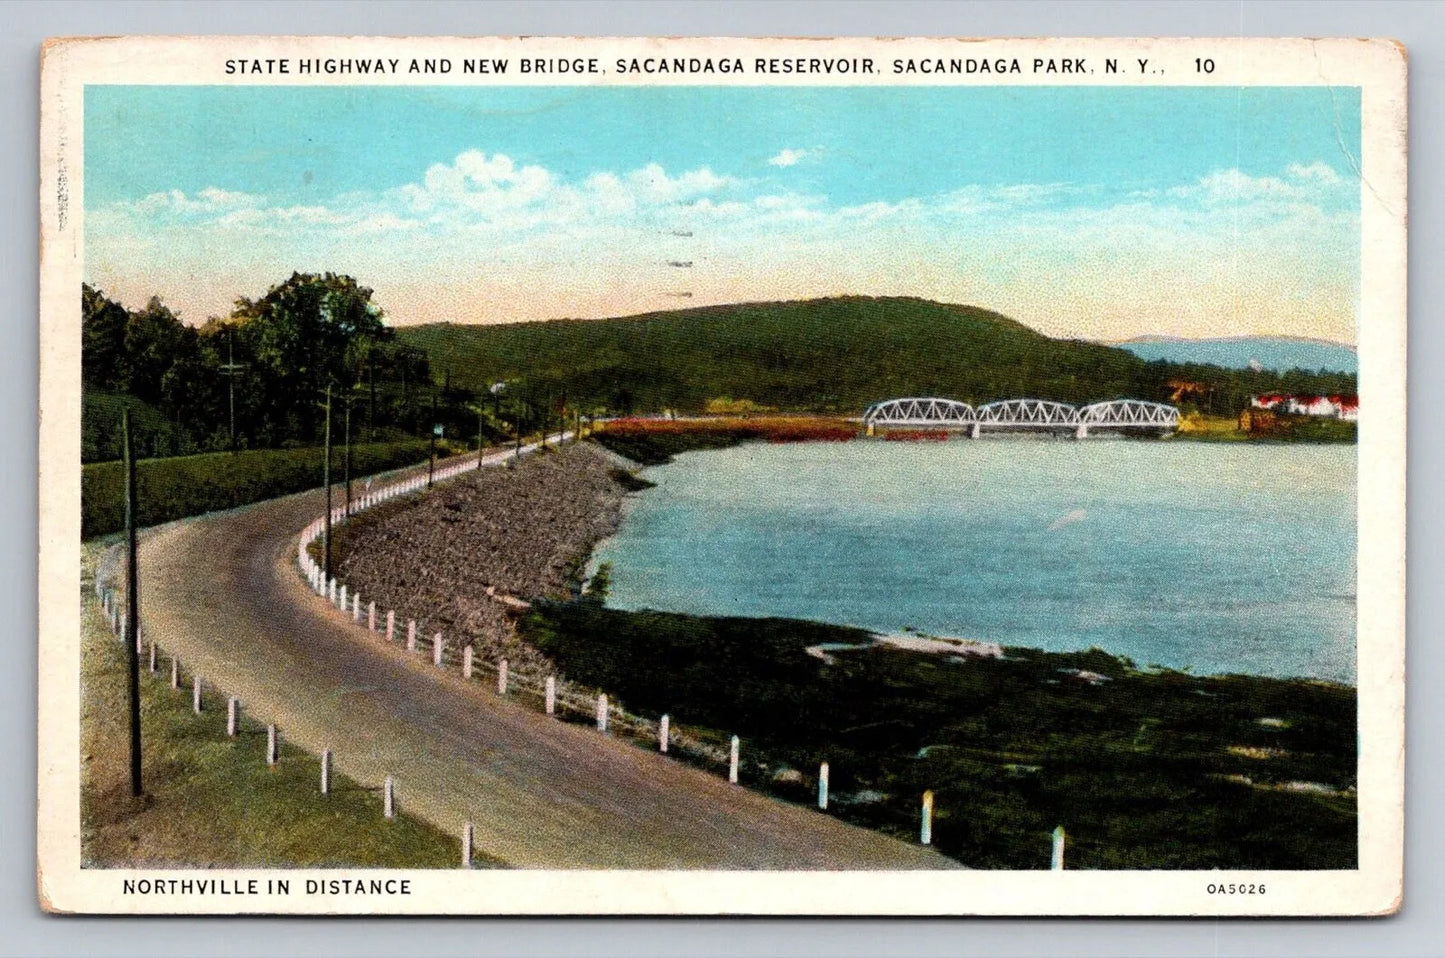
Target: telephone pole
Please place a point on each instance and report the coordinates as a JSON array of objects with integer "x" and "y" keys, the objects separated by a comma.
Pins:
[
  {"x": 371, "y": 406},
  {"x": 346, "y": 444},
  {"x": 517, "y": 427},
  {"x": 231, "y": 369},
  {"x": 326, "y": 480},
  {"x": 432, "y": 464},
  {"x": 132, "y": 602}
]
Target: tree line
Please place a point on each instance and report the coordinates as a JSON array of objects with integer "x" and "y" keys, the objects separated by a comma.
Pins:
[{"x": 258, "y": 377}]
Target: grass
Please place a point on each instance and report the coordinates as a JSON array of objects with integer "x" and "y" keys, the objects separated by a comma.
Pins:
[
  {"x": 1200, "y": 427},
  {"x": 211, "y": 801},
  {"x": 1145, "y": 768},
  {"x": 100, "y": 437},
  {"x": 190, "y": 485}
]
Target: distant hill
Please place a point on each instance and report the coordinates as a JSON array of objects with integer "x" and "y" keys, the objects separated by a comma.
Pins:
[
  {"x": 1238, "y": 352},
  {"x": 827, "y": 355}
]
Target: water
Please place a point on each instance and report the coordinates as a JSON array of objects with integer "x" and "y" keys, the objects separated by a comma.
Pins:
[{"x": 1214, "y": 557}]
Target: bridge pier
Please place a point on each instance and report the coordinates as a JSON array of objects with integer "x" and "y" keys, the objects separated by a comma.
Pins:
[
  {"x": 973, "y": 431},
  {"x": 1081, "y": 432}
]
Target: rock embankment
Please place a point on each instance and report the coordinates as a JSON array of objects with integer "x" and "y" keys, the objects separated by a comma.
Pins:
[{"x": 463, "y": 559}]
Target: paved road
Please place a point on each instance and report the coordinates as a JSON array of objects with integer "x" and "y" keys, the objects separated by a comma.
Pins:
[{"x": 225, "y": 593}]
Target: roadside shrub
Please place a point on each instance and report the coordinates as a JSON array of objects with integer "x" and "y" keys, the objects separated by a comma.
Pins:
[{"x": 168, "y": 489}]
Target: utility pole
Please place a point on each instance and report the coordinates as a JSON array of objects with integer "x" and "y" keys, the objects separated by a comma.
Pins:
[
  {"x": 517, "y": 427},
  {"x": 371, "y": 407},
  {"x": 347, "y": 460},
  {"x": 132, "y": 602},
  {"x": 546, "y": 415},
  {"x": 479, "y": 435},
  {"x": 231, "y": 369},
  {"x": 326, "y": 480},
  {"x": 432, "y": 464}
]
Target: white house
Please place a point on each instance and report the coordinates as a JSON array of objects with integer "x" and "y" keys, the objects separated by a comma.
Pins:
[
  {"x": 1312, "y": 406},
  {"x": 1340, "y": 407}
]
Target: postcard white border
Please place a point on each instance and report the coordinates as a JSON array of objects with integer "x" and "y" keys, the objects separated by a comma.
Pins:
[{"x": 1377, "y": 67}]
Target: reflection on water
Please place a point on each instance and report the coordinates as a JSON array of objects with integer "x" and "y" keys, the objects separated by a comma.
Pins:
[{"x": 1215, "y": 557}]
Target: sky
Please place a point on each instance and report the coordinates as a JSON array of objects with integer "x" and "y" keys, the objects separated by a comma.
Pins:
[{"x": 1090, "y": 212}]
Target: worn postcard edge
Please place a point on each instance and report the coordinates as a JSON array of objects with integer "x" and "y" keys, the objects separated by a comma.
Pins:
[{"x": 1378, "y": 67}]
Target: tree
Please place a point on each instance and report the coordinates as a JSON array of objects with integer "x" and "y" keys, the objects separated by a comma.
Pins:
[
  {"x": 102, "y": 338},
  {"x": 155, "y": 340},
  {"x": 308, "y": 332}
]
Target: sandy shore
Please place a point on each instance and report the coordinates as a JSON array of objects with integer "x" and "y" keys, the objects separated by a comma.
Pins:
[{"x": 458, "y": 559}]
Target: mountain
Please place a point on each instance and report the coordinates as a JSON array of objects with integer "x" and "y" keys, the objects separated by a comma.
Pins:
[
  {"x": 1240, "y": 352},
  {"x": 837, "y": 355}
]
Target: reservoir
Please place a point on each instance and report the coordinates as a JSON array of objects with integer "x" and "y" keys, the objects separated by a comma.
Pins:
[{"x": 1215, "y": 557}]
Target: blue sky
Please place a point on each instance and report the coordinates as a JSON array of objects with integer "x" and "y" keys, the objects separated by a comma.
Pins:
[{"x": 1065, "y": 207}]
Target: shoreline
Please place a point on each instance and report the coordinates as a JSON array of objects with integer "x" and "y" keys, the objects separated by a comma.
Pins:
[
  {"x": 659, "y": 445},
  {"x": 1148, "y": 767},
  {"x": 574, "y": 544},
  {"x": 653, "y": 441}
]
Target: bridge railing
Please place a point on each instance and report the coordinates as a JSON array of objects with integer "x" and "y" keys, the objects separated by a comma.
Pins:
[
  {"x": 920, "y": 411},
  {"x": 1129, "y": 412},
  {"x": 1021, "y": 414},
  {"x": 1027, "y": 412}
]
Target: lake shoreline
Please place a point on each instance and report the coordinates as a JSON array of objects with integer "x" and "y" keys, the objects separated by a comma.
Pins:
[
  {"x": 725, "y": 531},
  {"x": 1145, "y": 767},
  {"x": 655, "y": 441}
]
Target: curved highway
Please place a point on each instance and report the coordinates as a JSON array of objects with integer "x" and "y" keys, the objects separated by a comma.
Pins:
[{"x": 224, "y": 593}]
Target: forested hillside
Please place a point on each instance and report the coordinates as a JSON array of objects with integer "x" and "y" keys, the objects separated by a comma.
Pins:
[
  {"x": 258, "y": 377},
  {"x": 824, "y": 355}
]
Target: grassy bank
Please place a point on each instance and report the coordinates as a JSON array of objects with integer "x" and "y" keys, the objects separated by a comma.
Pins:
[
  {"x": 190, "y": 485},
  {"x": 652, "y": 442},
  {"x": 211, "y": 801},
  {"x": 1145, "y": 769},
  {"x": 1198, "y": 427}
]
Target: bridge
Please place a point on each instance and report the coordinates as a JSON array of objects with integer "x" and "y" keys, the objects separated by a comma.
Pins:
[{"x": 1023, "y": 415}]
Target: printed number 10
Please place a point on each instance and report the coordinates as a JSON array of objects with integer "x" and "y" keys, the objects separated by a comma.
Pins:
[{"x": 1203, "y": 66}]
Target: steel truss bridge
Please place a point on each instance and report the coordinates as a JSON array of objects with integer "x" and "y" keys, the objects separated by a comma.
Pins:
[{"x": 1023, "y": 415}]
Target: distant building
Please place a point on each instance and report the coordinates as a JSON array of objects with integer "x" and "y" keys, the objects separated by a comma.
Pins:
[
  {"x": 1311, "y": 406},
  {"x": 1337, "y": 406}
]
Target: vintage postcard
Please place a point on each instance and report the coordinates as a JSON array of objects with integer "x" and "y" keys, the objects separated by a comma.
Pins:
[{"x": 722, "y": 476}]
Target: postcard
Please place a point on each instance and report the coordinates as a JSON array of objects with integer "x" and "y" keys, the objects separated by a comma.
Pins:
[{"x": 722, "y": 476}]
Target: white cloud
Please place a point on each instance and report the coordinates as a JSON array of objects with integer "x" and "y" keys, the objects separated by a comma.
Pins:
[
  {"x": 518, "y": 241},
  {"x": 652, "y": 184},
  {"x": 788, "y": 157},
  {"x": 1311, "y": 183},
  {"x": 477, "y": 182},
  {"x": 207, "y": 201},
  {"x": 1318, "y": 171},
  {"x": 1233, "y": 185}
]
